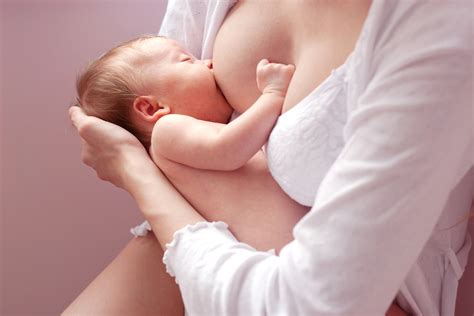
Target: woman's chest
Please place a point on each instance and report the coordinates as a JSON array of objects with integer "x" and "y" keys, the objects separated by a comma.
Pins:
[
  {"x": 249, "y": 33},
  {"x": 280, "y": 32}
]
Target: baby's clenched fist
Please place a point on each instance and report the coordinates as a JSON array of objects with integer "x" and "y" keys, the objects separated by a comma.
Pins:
[{"x": 274, "y": 77}]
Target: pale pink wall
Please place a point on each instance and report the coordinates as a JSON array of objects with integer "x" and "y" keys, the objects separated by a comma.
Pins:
[
  {"x": 1, "y": 155},
  {"x": 60, "y": 225}
]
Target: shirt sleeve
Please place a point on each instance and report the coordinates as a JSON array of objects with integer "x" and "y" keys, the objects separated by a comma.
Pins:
[
  {"x": 184, "y": 21},
  {"x": 407, "y": 136},
  {"x": 195, "y": 23}
]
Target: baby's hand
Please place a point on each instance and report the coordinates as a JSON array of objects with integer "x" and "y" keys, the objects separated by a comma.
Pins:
[{"x": 273, "y": 77}]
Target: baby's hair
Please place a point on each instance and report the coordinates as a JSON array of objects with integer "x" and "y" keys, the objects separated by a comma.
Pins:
[{"x": 109, "y": 85}]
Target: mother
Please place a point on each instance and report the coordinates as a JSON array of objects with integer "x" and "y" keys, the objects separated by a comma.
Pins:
[{"x": 397, "y": 165}]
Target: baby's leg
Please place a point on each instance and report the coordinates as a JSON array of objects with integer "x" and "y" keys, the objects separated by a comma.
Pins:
[{"x": 248, "y": 199}]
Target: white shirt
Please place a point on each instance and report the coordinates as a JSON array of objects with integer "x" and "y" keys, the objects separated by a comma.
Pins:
[{"x": 383, "y": 210}]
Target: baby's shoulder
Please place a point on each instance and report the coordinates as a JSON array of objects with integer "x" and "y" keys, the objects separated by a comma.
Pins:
[
  {"x": 168, "y": 126},
  {"x": 169, "y": 123},
  {"x": 166, "y": 131}
]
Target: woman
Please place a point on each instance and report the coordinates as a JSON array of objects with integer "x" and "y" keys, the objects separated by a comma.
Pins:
[{"x": 385, "y": 199}]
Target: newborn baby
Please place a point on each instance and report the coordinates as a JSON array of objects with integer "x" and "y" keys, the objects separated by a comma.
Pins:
[{"x": 170, "y": 101}]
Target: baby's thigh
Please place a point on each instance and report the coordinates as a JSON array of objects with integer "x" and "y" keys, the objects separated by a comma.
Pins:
[{"x": 248, "y": 199}]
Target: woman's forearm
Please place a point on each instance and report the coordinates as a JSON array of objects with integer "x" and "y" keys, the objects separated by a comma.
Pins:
[{"x": 162, "y": 205}]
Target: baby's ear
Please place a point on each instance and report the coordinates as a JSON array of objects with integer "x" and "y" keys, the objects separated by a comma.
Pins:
[
  {"x": 147, "y": 108},
  {"x": 163, "y": 110}
]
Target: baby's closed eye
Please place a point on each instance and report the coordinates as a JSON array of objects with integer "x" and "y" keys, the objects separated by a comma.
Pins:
[{"x": 185, "y": 58}]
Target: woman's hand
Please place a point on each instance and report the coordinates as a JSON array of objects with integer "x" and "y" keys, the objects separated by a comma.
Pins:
[{"x": 107, "y": 148}]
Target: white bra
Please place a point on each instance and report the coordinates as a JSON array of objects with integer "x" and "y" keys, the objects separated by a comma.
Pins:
[{"x": 307, "y": 139}]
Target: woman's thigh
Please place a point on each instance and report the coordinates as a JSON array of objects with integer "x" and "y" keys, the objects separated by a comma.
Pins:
[{"x": 134, "y": 283}]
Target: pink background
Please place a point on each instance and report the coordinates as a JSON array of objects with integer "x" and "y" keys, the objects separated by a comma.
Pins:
[{"x": 60, "y": 226}]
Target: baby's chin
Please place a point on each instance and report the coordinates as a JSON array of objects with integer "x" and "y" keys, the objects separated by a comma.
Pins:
[
  {"x": 212, "y": 107},
  {"x": 222, "y": 109}
]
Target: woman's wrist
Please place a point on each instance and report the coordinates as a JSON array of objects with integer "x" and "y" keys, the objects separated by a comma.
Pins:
[
  {"x": 162, "y": 205},
  {"x": 137, "y": 171}
]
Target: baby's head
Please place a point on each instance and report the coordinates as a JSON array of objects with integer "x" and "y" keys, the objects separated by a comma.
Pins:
[{"x": 138, "y": 82}]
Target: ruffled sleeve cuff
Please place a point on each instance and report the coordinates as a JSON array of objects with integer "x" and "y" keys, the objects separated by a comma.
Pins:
[
  {"x": 141, "y": 230},
  {"x": 191, "y": 243}
]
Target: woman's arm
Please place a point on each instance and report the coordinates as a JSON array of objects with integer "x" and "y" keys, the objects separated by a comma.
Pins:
[
  {"x": 121, "y": 159},
  {"x": 164, "y": 207}
]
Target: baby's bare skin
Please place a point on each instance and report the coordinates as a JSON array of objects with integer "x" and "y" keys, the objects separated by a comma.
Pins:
[{"x": 195, "y": 142}]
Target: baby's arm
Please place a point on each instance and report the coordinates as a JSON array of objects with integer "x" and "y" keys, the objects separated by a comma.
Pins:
[{"x": 207, "y": 145}]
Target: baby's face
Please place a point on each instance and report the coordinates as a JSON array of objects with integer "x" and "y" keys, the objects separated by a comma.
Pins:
[{"x": 182, "y": 82}]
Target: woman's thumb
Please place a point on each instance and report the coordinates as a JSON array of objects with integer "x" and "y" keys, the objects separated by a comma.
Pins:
[{"x": 77, "y": 116}]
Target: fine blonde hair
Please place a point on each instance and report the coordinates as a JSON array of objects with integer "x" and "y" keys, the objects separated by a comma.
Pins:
[{"x": 109, "y": 85}]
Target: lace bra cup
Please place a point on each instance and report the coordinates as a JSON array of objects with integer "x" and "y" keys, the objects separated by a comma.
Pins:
[{"x": 307, "y": 139}]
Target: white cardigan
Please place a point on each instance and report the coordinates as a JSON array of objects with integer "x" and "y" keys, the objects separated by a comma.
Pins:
[{"x": 382, "y": 219}]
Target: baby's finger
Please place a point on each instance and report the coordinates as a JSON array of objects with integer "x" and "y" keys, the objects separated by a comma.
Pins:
[{"x": 291, "y": 67}]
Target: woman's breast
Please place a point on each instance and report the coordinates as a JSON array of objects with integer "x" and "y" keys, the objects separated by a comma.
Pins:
[
  {"x": 283, "y": 32},
  {"x": 250, "y": 32}
]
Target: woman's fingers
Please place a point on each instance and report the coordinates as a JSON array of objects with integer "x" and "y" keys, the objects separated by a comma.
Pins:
[
  {"x": 104, "y": 144},
  {"x": 77, "y": 116},
  {"x": 80, "y": 119},
  {"x": 86, "y": 125},
  {"x": 86, "y": 154}
]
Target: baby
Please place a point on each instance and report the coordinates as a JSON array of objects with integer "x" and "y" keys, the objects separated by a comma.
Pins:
[{"x": 170, "y": 101}]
